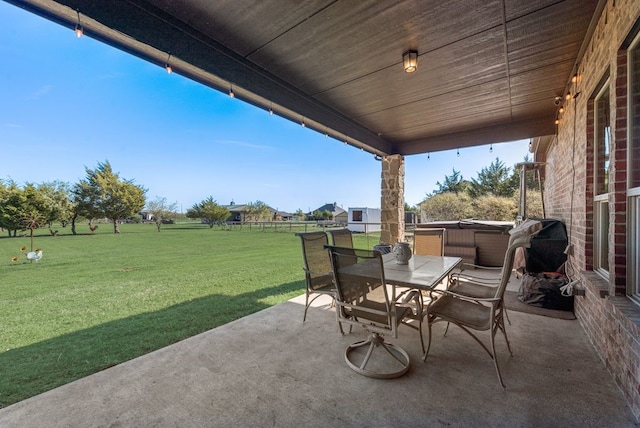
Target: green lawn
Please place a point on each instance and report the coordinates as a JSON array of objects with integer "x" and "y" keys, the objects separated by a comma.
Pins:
[{"x": 96, "y": 300}]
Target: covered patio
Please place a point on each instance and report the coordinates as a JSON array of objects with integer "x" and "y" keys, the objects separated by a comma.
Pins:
[
  {"x": 487, "y": 72},
  {"x": 270, "y": 369}
]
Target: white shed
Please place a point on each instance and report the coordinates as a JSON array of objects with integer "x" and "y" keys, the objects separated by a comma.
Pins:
[{"x": 364, "y": 220}]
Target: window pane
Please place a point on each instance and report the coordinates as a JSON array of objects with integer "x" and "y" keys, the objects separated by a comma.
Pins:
[
  {"x": 603, "y": 134},
  {"x": 357, "y": 215},
  {"x": 602, "y": 231}
]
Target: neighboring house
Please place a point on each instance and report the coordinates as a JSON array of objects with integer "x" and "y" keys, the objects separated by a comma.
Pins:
[
  {"x": 591, "y": 178},
  {"x": 237, "y": 213},
  {"x": 339, "y": 214},
  {"x": 364, "y": 220},
  {"x": 283, "y": 216},
  {"x": 147, "y": 215}
]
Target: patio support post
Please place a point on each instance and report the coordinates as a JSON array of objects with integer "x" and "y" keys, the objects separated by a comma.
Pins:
[{"x": 392, "y": 200}]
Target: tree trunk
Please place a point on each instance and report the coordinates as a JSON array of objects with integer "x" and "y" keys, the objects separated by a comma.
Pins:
[
  {"x": 116, "y": 228},
  {"x": 73, "y": 224}
]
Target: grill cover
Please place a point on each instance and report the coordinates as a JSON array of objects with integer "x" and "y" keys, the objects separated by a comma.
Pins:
[{"x": 547, "y": 248}]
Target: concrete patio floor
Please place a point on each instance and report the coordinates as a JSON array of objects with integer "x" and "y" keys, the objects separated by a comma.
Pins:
[{"x": 270, "y": 369}]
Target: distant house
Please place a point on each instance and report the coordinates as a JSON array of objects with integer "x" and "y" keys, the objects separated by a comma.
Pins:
[
  {"x": 283, "y": 216},
  {"x": 147, "y": 215},
  {"x": 339, "y": 215},
  {"x": 238, "y": 211}
]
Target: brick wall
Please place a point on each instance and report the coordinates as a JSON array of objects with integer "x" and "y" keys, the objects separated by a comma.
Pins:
[{"x": 610, "y": 319}]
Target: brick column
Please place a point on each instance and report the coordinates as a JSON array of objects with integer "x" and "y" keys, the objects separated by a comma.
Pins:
[{"x": 392, "y": 199}]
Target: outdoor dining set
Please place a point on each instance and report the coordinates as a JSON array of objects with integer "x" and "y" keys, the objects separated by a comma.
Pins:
[{"x": 381, "y": 290}]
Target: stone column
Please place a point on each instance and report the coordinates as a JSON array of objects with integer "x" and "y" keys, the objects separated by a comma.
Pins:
[{"x": 392, "y": 200}]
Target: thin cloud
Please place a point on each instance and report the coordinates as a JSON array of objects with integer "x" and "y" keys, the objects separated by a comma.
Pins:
[
  {"x": 40, "y": 92},
  {"x": 11, "y": 125},
  {"x": 244, "y": 144}
]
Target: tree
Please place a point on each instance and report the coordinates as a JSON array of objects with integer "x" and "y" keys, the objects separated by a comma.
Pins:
[
  {"x": 11, "y": 201},
  {"x": 162, "y": 210},
  {"x": 496, "y": 180},
  {"x": 316, "y": 215},
  {"x": 33, "y": 210},
  {"x": 59, "y": 206},
  {"x": 300, "y": 214},
  {"x": 534, "y": 203},
  {"x": 499, "y": 208},
  {"x": 448, "y": 206},
  {"x": 83, "y": 199},
  {"x": 209, "y": 211},
  {"x": 258, "y": 211},
  {"x": 453, "y": 183},
  {"x": 111, "y": 197}
]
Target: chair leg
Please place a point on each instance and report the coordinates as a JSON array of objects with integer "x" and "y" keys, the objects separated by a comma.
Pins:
[
  {"x": 374, "y": 341},
  {"x": 494, "y": 357},
  {"x": 501, "y": 326},
  {"x": 424, "y": 357},
  {"x": 421, "y": 338},
  {"x": 306, "y": 306},
  {"x": 340, "y": 323}
]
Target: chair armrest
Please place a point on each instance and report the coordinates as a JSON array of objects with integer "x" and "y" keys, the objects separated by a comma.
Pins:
[
  {"x": 464, "y": 266},
  {"x": 463, "y": 277},
  {"x": 411, "y": 299},
  {"x": 460, "y": 296}
]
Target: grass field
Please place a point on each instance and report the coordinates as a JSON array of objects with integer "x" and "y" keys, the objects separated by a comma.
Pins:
[{"x": 98, "y": 299}]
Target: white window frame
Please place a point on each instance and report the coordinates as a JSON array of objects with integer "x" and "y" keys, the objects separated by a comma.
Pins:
[
  {"x": 633, "y": 193},
  {"x": 600, "y": 201}
]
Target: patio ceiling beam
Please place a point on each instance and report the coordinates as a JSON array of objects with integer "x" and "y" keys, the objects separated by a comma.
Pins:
[{"x": 495, "y": 134}]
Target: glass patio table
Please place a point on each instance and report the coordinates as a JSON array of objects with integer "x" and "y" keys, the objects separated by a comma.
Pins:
[{"x": 422, "y": 272}]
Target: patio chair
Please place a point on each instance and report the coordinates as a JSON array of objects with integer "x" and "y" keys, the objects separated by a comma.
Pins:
[
  {"x": 317, "y": 269},
  {"x": 363, "y": 299},
  {"x": 480, "y": 313},
  {"x": 341, "y": 238},
  {"x": 428, "y": 242}
]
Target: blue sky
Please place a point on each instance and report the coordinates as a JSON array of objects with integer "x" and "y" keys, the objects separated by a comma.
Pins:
[{"x": 69, "y": 103}]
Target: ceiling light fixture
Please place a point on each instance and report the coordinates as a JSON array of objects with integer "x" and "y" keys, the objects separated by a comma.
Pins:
[
  {"x": 410, "y": 61},
  {"x": 271, "y": 108},
  {"x": 231, "y": 93},
  {"x": 79, "y": 30}
]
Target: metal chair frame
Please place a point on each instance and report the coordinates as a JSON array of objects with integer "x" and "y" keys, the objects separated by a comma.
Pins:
[
  {"x": 480, "y": 313},
  {"x": 359, "y": 274}
]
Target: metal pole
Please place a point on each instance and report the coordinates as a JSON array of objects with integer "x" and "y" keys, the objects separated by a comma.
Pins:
[{"x": 523, "y": 192}]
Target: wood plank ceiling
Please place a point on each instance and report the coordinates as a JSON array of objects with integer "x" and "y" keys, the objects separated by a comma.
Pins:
[{"x": 488, "y": 70}]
